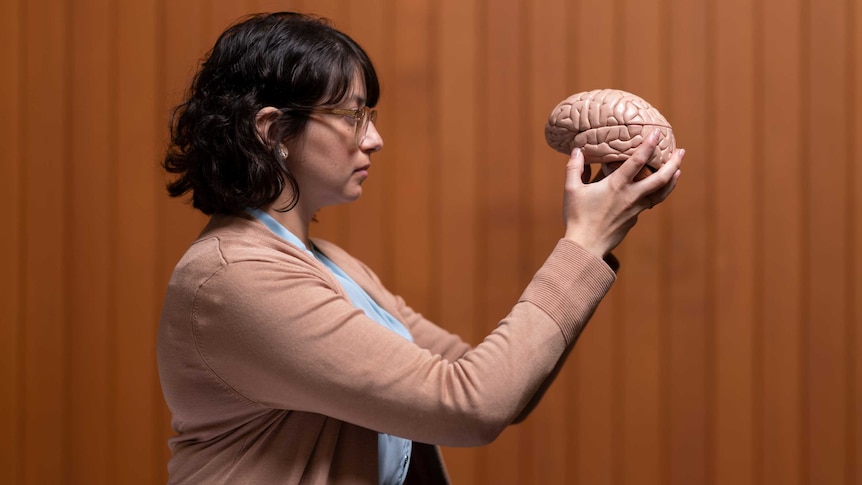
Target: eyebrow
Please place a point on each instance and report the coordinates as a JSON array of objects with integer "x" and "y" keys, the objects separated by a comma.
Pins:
[{"x": 360, "y": 100}]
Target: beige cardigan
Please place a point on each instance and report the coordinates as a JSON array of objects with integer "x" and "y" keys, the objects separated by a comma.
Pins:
[{"x": 273, "y": 376}]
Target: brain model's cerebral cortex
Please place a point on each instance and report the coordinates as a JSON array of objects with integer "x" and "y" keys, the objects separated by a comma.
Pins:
[{"x": 608, "y": 125}]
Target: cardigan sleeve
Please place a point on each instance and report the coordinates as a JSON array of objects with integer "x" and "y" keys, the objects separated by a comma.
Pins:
[
  {"x": 426, "y": 334},
  {"x": 281, "y": 336},
  {"x": 431, "y": 336}
]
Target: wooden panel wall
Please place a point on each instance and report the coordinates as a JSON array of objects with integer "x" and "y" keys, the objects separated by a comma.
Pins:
[{"x": 727, "y": 352}]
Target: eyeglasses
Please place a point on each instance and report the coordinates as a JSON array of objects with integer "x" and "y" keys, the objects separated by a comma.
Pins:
[{"x": 362, "y": 117}]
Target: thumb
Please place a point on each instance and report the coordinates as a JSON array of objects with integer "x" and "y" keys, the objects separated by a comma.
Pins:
[{"x": 575, "y": 168}]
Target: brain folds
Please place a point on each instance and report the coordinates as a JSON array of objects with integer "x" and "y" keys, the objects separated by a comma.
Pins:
[{"x": 608, "y": 125}]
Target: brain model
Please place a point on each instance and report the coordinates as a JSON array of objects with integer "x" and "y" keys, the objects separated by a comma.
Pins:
[{"x": 608, "y": 125}]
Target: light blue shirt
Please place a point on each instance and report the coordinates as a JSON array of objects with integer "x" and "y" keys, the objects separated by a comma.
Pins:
[{"x": 393, "y": 453}]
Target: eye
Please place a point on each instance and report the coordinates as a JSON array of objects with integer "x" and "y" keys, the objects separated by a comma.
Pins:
[{"x": 352, "y": 117}]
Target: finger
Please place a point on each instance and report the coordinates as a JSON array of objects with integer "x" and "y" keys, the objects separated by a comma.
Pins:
[
  {"x": 659, "y": 196},
  {"x": 654, "y": 162},
  {"x": 663, "y": 175},
  {"x": 667, "y": 170},
  {"x": 575, "y": 169},
  {"x": 631, "y": 167},
  {"x": 664, "y": 191}
]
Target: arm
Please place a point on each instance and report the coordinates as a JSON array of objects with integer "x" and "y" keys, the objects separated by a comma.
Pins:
[
  {"x": 612, "y": 263},
  {"x": 653, "y": 192},
  {"x": 309, "y": 349}
]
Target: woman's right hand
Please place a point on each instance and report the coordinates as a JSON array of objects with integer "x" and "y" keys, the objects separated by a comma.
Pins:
[{"x": 599, "y": 215}]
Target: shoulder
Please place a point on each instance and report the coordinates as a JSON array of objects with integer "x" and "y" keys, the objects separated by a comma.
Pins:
[
  {"x": 347, "y": 262},
  {"x": 242, "y": 238},
  {"x": 234, "y": 245}
]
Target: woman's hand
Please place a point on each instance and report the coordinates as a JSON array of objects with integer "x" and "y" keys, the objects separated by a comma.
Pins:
[{"x": 599, "y": 215}]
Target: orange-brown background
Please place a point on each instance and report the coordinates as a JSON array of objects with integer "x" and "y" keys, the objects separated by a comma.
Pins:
[{"x": 727, "y": 352}]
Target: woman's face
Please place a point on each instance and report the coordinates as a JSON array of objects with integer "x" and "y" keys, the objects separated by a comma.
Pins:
[{"x": 326, "y": 161}]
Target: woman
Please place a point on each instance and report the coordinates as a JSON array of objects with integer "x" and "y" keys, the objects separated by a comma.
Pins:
[{"x": 285, "y": 360}]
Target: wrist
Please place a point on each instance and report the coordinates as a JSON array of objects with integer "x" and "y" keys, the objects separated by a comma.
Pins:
[{"x": 588, "y": 242}]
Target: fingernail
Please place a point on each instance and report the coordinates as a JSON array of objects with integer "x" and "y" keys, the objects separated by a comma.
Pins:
[
  {"x": 682, "y": 153},
  {"x": 655, "y": 135}
]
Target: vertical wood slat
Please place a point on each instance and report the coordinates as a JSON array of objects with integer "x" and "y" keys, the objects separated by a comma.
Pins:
[
  {"x": 826, "y": 245},
  {"x": 597, "y": 428},
  {"x": 688, "y": 287},
  {"x": 548, "y": 452},
  {"x": 640, "y": 287},
  {"x": 855, "y": 72},
  {"x": 455, "y": 120},
  {"x": 44, "y": 260},
  {"x": 161, "y": 415},
  {"x": 411, "y": 93},
  {"x": 90, "y": 242},
  {"x": 11, "y": 267},
  {"x": 135, "y": 314},
  {"x": 780, "y": 249},
  {"x": 502, "y": 192},
  {"x": 454, "y": 202},
  {"x": 734, "y": 244},
  {"x": 181, "y": 45}
]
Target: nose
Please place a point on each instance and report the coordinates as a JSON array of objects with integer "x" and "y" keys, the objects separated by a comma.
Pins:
[{"x": 372, "y": 142}]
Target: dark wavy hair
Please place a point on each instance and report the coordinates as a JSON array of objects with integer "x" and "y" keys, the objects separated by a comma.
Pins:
[{"x": 284, "y": 60}]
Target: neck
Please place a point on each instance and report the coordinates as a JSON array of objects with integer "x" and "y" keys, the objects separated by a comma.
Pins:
[{"x": 296, "y": 220}]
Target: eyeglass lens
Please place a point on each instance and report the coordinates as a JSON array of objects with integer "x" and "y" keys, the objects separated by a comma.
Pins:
[{"x": 365, "y": 117}]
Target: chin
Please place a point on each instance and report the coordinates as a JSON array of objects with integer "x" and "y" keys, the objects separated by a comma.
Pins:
[{"x": 355, "y": 195}]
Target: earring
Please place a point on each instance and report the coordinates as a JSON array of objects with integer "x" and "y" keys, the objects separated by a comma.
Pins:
[{"x": 284, "y": 153}]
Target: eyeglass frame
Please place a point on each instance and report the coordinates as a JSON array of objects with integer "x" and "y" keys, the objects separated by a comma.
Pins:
[{"x": 360, "y": 115}]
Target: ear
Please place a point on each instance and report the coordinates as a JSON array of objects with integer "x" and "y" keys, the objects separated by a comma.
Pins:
[{"x": 262, "y": 121}]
